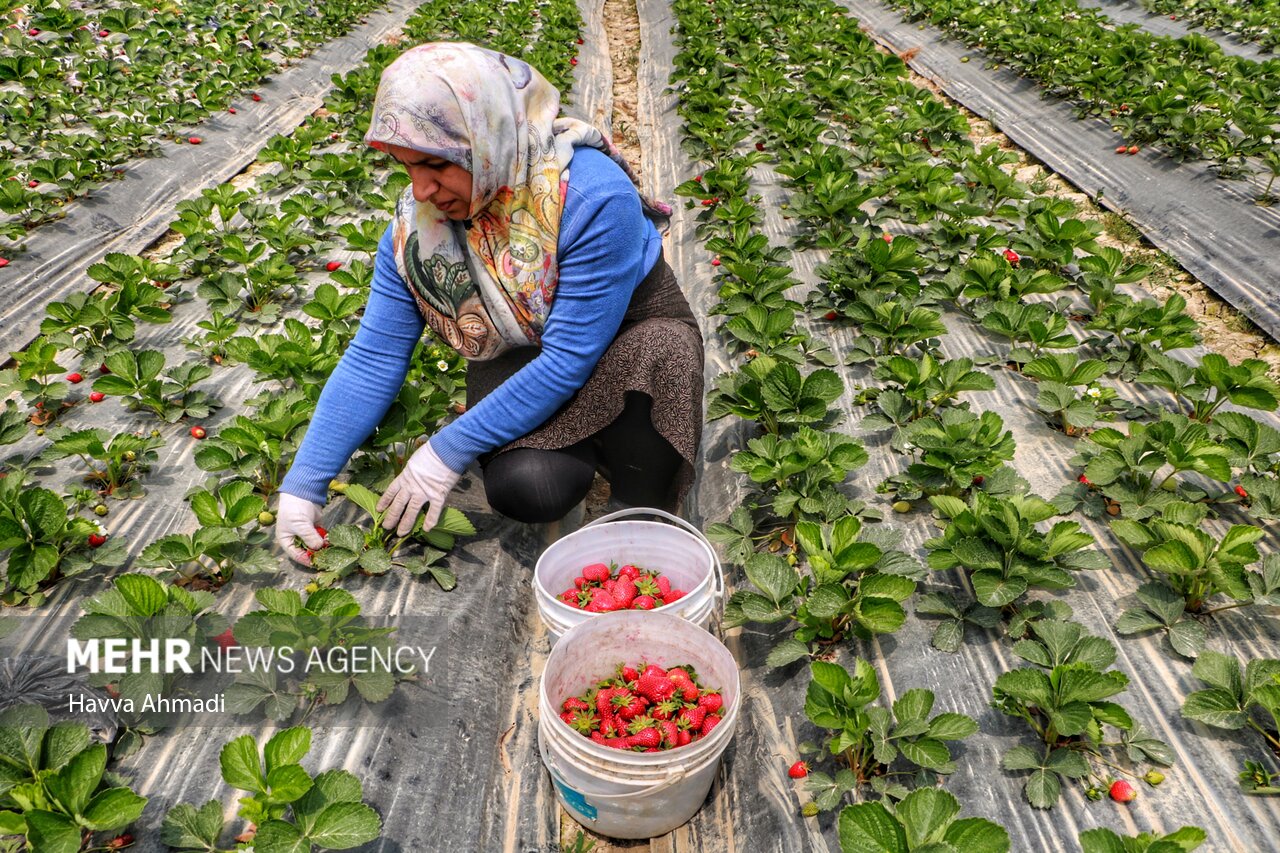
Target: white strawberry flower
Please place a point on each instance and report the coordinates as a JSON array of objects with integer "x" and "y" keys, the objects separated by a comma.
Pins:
[
  {"x": 1094, "y": 391},
  {"x": 442, "y": 366}
]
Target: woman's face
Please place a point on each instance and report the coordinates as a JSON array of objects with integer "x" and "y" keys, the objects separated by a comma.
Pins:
[{"x": 445, "y": 185}]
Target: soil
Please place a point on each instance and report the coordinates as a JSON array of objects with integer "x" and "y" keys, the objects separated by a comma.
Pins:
[
  {"x": 1223, "y": 329},
  {"x": 622, "y": 26}
]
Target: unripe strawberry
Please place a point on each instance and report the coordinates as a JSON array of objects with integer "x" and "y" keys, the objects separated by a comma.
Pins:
[
  {"x": 799, "y": 770},
  {"x": 902, "y": 506},
  {"x": 809, "y": 809},
  {"x": 100, "y": 510},
  {"x": 1153, "y": 777},
  {"x": 265, "y": 518},
  {"x": 888, "y": 238},
  {"x": 1122, "y": 792}
]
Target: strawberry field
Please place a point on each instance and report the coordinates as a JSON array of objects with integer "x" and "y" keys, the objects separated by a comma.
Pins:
[{"x": 998, "y": 525}]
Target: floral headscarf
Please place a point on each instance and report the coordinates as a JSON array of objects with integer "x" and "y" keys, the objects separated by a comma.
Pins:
[{"x": 497, "y": 117}]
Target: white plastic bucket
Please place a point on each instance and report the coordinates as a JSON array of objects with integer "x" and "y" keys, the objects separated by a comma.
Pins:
[
  {"x": 617, "y": 792},
  {"x": 680, "y": 552}
]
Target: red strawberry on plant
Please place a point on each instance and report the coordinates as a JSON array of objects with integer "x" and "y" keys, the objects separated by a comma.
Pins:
[
  {"x": 1083, "y": 479},
  {"x": 579, "y": 41},
  {"x": 103, "y": 33},
  {"x": 4, "y": 262},
  {"x": 96, "y": 540},
  {"x": 33, "y": 184},
  {"x": 198, "y": 432},
  {"x": 888, "y": 238},
  {"x": 1120, "y": 149},
  {"x": 333, "y": 265},
  {"x": 75, "y": 378},
  {"x": 256, "y": 96},
  {"x": 799, "y": 770},
  {"x": 231, "y": 110},
  {"x": 1012, "y": 257},
  {"x": 1123, "y": 792},
  {"x": 194, "y": 140},
  {"x": 96, "y": 396},
  {"x": 1241, "y": 492},
  {"x": 324, "y": 534},
  {"x": 831, "y": 315},
  {"x": 225, "y": 640},
  {"x": 759, "y": 146},
  {"x": 715, "y": 262},
  {"x": 573, "y": 60}
]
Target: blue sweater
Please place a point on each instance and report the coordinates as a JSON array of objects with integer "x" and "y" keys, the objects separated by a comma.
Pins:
[{"x": 605, "y": 249}]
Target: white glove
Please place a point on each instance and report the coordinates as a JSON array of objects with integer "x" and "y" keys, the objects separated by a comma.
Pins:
[
  {"x": 297, "y": 517},
  {"x": 424, "y": 480}
]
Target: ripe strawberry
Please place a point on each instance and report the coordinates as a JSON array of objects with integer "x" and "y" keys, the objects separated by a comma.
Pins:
[
  {"x": 96, "y": 396},
  {"x": 629, "y": 571},
  {"x": 324, "y": 534},
  {"x": 570, "y": 597},
  {"x": 1083, "y": 479},
  {"x": 626, "y": 705},
  {"x": 888, "y": 238},
  {"x": 120, "y": 842},
  {"x": 33, "y": 184},
  {"x": 715, "y": 262},
  {"x": 665, "y": 709},
  {"x": 231, "y": 110},
  {"x": 74, "y": 378},
  {"x": 831, "y": 315},
  {"x": 759, "y": 146},
  {"x": 573, "y": 60},
  {"x": 673, "y": 596},
  {"x": 596, "y": 572},
  {"x": 103, "y": 34},
  {"x": 1133, "y": 149},
  {"x": 1123, "y": 792},
  {"x": 799, "y": 770},
  {"x": 692, "y": 718},
  {"x": 333, "y": 265},
  {"x": 33, "y": 32},
  {"x": 1011, "y": 256},
  {"x": 1241, "y": 492},
  {"x": 979, "y": 480},
  {"x": 4, "y": 262},
  {"x": 618, "y": 742},
  {"x": 710, "y": 702},
  {"x": 198, "y": 432},
  {"x": 597, "y": 737},
  {"x": 584, "y": 722},
  {"x": 655, "y": 687},
  {"x": 601, "y": 601},
  {"x": 709, "y": 723},
  {"x": 194, "y": 140},
  {"x": 707, "y": 202},
  {"x": 629, "y": 673},
  {"x": 683, "y": 738},
  {"x": 225, "y": 640},
  {"x": 579, "y": 41},
  {"x": 654, "y": 669},
  {"x": 573, "y": 703},
  {"x": 96, "y": 540},
  {"x": 670, "y": 734},
  {"x": 643, "y": 602},
  {"x": 646, "y": 738},
  {"x": 698, "y": 178},
  {"x": 256, "y": 96},
  {"x": 623, "y": 590},
  {"x": 603, "y": 699}
]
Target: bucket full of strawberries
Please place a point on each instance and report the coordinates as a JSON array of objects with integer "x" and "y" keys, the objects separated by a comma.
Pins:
[
  {"x": 635, "y": 711},
  {"x": 620, "y": 562}
]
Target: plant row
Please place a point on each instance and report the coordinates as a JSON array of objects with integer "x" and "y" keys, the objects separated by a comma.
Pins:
[
  {"x": 837, "y": 578},
  {"x": 1255, "y": 22},
  {"x": 1185, "y": 94},
  {"x": 245, "y": 254}
]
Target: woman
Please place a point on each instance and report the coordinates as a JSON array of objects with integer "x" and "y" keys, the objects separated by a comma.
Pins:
[{"x": 525, "y": 244}]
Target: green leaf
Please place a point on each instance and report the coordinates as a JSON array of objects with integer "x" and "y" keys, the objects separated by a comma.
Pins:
[
  {"x": 241, "y": 766},
  {"x": 772, "y": 576},
  {"x": 992, "y": 590},
  {"x": 977, "y": 835},
  {"x": 870, "y": 828},
  {"x": 52, "y": 833},
  {"x": 287, "y": 747},
  {"x": 1101, "y": 840},
  {"x": 342, "y": 826},
  {"x": 1042, "y": 789},
  {"x": 1216, "y": 708},
  {"x": 929, "y": 753},
  {"x": 1188, "y": 638},
  {"x": 913, "y": 705},
  {"x": 113, "y": 808},
  {"x": 927, "y": 812},
  {"x": 278, "y": 836},
  {"x": 185, "y": 827},
  {"x": 1021, "y": 758},
  {"x": 12, "y": 823},
  {"x": 146, "y": 595},
  {"x": 72, "y": 785},
  {"x": 785, "y": 652},
  {"x": 1221, "y": 671},
  {"x": 287, "y": 783},
  {"x": 952, "y": 726}
]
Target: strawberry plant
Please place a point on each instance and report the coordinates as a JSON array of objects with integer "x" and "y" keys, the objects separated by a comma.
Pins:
[
  {"x": 1196, "y": 565},
  {"x": 1142, "y": 472},
  {"x": 1137, "y": 329},
  {"x": 302, "y": 356},
  {"x": 1102, "y": 272},
  {"x": 296, "y": 628},
  {"x": 997, "y": 541},
  {"x": 1030, "y": 323},
  {"x": 218, "y": 329},
  {"x": 951, "y": 451},
  {"x": 1064, "y": 699},
  {"x": 799, "y": 475},
  {"x": 1103, "y": 840},
  {"x": 851, "y": 587},
  {"x": 140, "y": 607},
  {"x": 33, "y": 378},
  {"x": 919, "y": 388},
  {"x": 136, "y": 378},
  {"x": 46, "y": 541},
  {"x": 890, "y": 327},
  {"x": 873, "y": 265},
  {"x": 868, "y": 740},
  {"x": 211, "y": 555},
  {"x": 336, "y": 311},
  {"x": 774, "y": 394},
  {"x": 1161, "y": 609},
  {"x": 290, "y": 809},
  {"x": 924, "y": 820},
  {"x": 1202, "y": 390},
  {"x": 1236, "y": 700},
  {"x": 260, "y": 448},
  {"x": 91, "y": 323},
  {"x": 56, "y": 792},
  {"x": 377, "y": 550},
  {"x": 115, "y": 464}
]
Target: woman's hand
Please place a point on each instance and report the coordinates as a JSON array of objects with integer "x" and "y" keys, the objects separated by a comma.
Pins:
[
  {"x": 425, "y": 480},
  {"x": 297, "y": 517}
]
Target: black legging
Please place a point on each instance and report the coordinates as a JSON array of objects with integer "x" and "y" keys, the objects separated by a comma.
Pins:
[{"x": 535, "y": 486}]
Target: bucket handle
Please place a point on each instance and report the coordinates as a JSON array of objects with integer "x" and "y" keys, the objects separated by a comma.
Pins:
[
  {"x": 717, "y": 571},
  {"x": 662, "y": 784}
]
